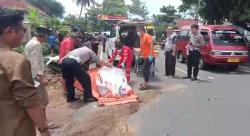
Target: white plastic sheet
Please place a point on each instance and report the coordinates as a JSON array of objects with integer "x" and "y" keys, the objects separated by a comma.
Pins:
[{"x": 112, "y": 80}]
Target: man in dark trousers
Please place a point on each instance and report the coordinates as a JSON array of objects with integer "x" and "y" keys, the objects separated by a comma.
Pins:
[
  {"x": 170, "y": 52},
  {"x": 193, "y": 52},
  {"x": 72, "y": 69}
]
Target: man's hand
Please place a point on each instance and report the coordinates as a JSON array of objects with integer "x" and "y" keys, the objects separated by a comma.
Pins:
[
  {"x": 122, "y": 65},
  {"x": 150, "y": 58},
  {"x": 106, "y": 64},
  {"x": 44, "y": 80},
  {"x": 173, "y": 54}
]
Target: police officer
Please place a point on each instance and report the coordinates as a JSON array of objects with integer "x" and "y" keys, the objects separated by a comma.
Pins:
[
  {"x": 193, "y": 52},
  {"x": 72, "y": 69},
  {"x": 170, "y": 52}
]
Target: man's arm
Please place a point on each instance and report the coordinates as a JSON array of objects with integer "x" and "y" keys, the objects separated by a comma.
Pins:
[
  {"x": 174, "y": 42},
  {"x": 150, "y": 42},
  {"x": 26, "y": 94},
  {"x": 114, "y": 54}
]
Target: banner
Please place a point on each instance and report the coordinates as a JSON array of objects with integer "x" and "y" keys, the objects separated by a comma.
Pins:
[{"x": 106, "y": 17}]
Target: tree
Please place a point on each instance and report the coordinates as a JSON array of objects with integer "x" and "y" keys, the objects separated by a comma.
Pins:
[
  {"x": 115, "y": 7},
  {"x": 139, "y": 8},
  {"x": 50, "y": 7},
  {"x": 97, "y": 25},
  {"x": 83, "y": 3},
  {"x": 169, "y": 14},
  {"x": 73, "y": 21},
  {"x": 217, "y": 11}
]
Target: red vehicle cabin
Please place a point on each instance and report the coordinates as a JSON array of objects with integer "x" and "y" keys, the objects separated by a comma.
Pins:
[{"x": 224, "y": 46}]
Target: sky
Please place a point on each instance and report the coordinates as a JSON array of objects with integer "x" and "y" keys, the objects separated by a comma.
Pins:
[{"x": 153, "y": 5}]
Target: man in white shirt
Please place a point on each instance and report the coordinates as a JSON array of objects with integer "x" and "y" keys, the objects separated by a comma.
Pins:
[
  {"x": 170, "y": 52},
  {"x": 33, "y": 53}
]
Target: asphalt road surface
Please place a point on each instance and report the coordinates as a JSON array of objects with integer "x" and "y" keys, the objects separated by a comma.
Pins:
[{"x": 216, "y": 105}]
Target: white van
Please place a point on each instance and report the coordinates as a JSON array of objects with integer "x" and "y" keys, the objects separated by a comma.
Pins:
[{"x": 122, "y": 28}]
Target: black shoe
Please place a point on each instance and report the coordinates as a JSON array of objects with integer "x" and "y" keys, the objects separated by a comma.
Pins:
[
  {"x": 194, "y": 79},
  {"x": 91, "y": 99},
  {"x": 187, "y": 77},
  {"x": 72, "y": 100}
]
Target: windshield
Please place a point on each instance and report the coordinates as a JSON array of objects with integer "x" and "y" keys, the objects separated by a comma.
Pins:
[{"x": 227, "y": 37}]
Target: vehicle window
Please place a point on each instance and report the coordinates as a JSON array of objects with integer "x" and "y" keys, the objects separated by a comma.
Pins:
[
  {"x": 113, "y": 32},
  {"x": 204, "y": 33},
  {"x": 184, "y": 34},
  {"x": 227, "y": 37}
]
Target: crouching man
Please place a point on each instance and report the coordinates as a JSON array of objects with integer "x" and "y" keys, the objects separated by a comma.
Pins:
[{"x": 72, "y": 69}]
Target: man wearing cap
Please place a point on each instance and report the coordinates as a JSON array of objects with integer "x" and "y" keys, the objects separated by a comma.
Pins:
[
  {"x": 72, "y": 69},
  {"x": 33, "y": 52},
  {"x": 20, "y": 108}
]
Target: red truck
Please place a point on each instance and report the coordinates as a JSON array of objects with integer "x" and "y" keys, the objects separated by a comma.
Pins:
[{"x": 224, "y": 46}]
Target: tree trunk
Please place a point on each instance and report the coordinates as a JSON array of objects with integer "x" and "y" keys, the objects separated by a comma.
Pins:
[{"x": 81, "y": 10}]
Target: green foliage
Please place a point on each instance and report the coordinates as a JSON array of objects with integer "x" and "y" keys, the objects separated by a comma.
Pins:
[
  {"x": 169, "y": 14},
  {"x": 52, "y": 23},
  {"x": 83, "y": 3},
  {"x": 115, "y": 7},
  {"x": 167, "y": 18},
  {"x": 97, "y": 25},
  {"x": 34, "y": 18},
  {"x": 74, "y": 21},
  {"x": 217, "y": 11},
  {"x": 50, "y": 7},
  {"x": 20, "y": 49},
  {"x": 139, "y": 8}
]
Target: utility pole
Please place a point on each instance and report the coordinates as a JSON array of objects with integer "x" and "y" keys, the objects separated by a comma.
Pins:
[{"x": 197, "y": 12}]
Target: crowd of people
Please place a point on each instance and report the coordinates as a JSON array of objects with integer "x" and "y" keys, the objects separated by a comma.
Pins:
[{"x": 24, "y": 97}]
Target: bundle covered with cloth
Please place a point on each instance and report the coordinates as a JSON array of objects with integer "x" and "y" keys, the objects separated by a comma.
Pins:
[
  {"x": 110, "y": 87},
  {"x": 112, "y": 82}
]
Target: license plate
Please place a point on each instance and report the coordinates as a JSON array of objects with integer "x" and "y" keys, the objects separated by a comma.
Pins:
[{"x": 233, "y": 60}]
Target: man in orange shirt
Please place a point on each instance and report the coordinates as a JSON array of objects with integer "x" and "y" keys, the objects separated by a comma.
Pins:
[{"x": 146, "y": 45}]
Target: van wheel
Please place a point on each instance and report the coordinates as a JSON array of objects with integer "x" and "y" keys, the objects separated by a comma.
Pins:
[
  {"x": 202, "y": 64},
  {"x": 233, "y": 67},
  {"x": 180, "y": 58}
]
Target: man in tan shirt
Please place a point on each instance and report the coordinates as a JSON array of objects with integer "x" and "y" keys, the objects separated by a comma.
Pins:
[{"x": 20, "y": 108}]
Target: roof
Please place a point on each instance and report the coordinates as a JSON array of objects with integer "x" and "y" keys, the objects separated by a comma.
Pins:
[
  {"x": 19, "y": 5},
  {"x": 185, "y": 22},
  {"x": 213, "y": 27}
]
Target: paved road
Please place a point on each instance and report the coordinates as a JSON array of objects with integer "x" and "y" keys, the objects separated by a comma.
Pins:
[{"x": 216, "y": 105}]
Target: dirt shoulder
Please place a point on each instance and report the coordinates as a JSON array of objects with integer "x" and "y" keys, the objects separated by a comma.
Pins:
[{"x": 78, "y": 119}]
